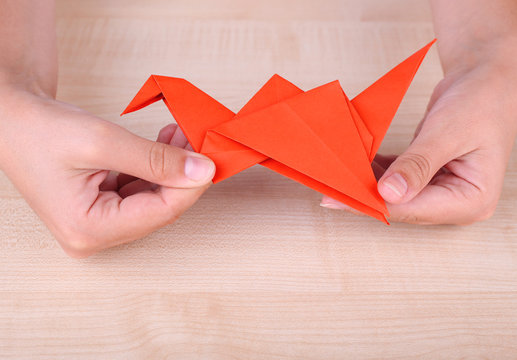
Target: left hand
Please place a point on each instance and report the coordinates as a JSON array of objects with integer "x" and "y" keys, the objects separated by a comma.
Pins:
[{"x": 65, "y": 162}]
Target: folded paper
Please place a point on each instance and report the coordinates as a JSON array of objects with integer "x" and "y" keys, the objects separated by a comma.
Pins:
[{"x": 319, "y": 137}]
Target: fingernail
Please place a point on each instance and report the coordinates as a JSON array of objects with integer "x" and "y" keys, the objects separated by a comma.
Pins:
[
  {"x": 332, "y": 206},
  {"x": 330, "y": 203},
  {"x": 199, "y": 169},
  {"x": 178, "y": 138},
  {"x": 397, "y": 184}
]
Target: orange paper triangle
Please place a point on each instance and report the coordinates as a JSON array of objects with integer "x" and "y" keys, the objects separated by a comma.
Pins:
[{"x": 319, "y": 137}]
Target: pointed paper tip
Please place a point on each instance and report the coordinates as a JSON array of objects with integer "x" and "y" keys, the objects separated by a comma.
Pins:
[
  {"x": 276, "y": 78},
  {"x": 421, "y": 54},
  {"x": 378, "y": 104},
  {"x": 148, "y": 94},
  {"x": 426, "y": 48},
  {"x": 127, "y": 110},
  {"x": 386, "y": 215}
]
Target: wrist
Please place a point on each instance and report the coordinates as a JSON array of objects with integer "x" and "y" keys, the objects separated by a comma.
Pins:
[
  {"x": 488, "y": 70},
  {"x": 15, "y": 81},
  {"x": 464, "y": 56},
  {"x": 17, "y": 104}
]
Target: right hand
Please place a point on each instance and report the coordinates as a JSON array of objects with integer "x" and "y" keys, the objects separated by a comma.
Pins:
[
  {"x": 453, "y": 171},
  {"x": 66, "y": 163}
]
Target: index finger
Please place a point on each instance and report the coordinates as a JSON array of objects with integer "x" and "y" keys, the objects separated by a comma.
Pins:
[{"x": 447, "y": 200}]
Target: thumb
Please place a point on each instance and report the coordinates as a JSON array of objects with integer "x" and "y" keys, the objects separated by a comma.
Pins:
[
  {"x": 155, "y": 162},
  {"x": 413, "y": 170}
]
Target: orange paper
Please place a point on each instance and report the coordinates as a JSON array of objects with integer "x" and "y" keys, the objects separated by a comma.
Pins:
[{"x": 318, "y": 137}]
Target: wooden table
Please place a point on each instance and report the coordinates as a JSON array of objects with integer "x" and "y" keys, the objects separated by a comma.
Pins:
[{"x": 256, "y": 269}]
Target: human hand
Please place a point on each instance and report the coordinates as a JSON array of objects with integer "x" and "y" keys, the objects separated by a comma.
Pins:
[
  {"x": 65, "y": 161},
  {"x": 453, "y": 171}
]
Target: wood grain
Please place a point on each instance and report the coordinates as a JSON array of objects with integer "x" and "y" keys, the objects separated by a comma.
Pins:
[{"x": 256, "y": 269}]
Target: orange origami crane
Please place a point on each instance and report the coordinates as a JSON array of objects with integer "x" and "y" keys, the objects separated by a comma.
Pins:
[{"x": 318, "y": 137}]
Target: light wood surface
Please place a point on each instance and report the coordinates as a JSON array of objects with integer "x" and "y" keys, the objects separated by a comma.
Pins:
[{"x": 256, "y": 269}]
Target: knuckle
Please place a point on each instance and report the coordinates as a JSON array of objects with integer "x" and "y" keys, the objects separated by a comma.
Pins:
[
  {"x": 487, "y": 206},
  {"x": 173, "y": 218},
  {"x": 158, "y": 162},
  {"x": 409, "y": 218},
  {"x": 481, "y": 205},
  {"x": 417, "y": 167},
  {"x": 77, "y": 246},
  {"x": 484, "y": 215},
  {"x": 76, "y": 254},
  {"x": 77, "y": 241},
  {"x": 179, "y": 205},
  {"x": 177, "y": 209}
]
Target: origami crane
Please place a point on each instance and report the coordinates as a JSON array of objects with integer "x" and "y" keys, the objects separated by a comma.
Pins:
[{"x": 318, "y": 137}]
